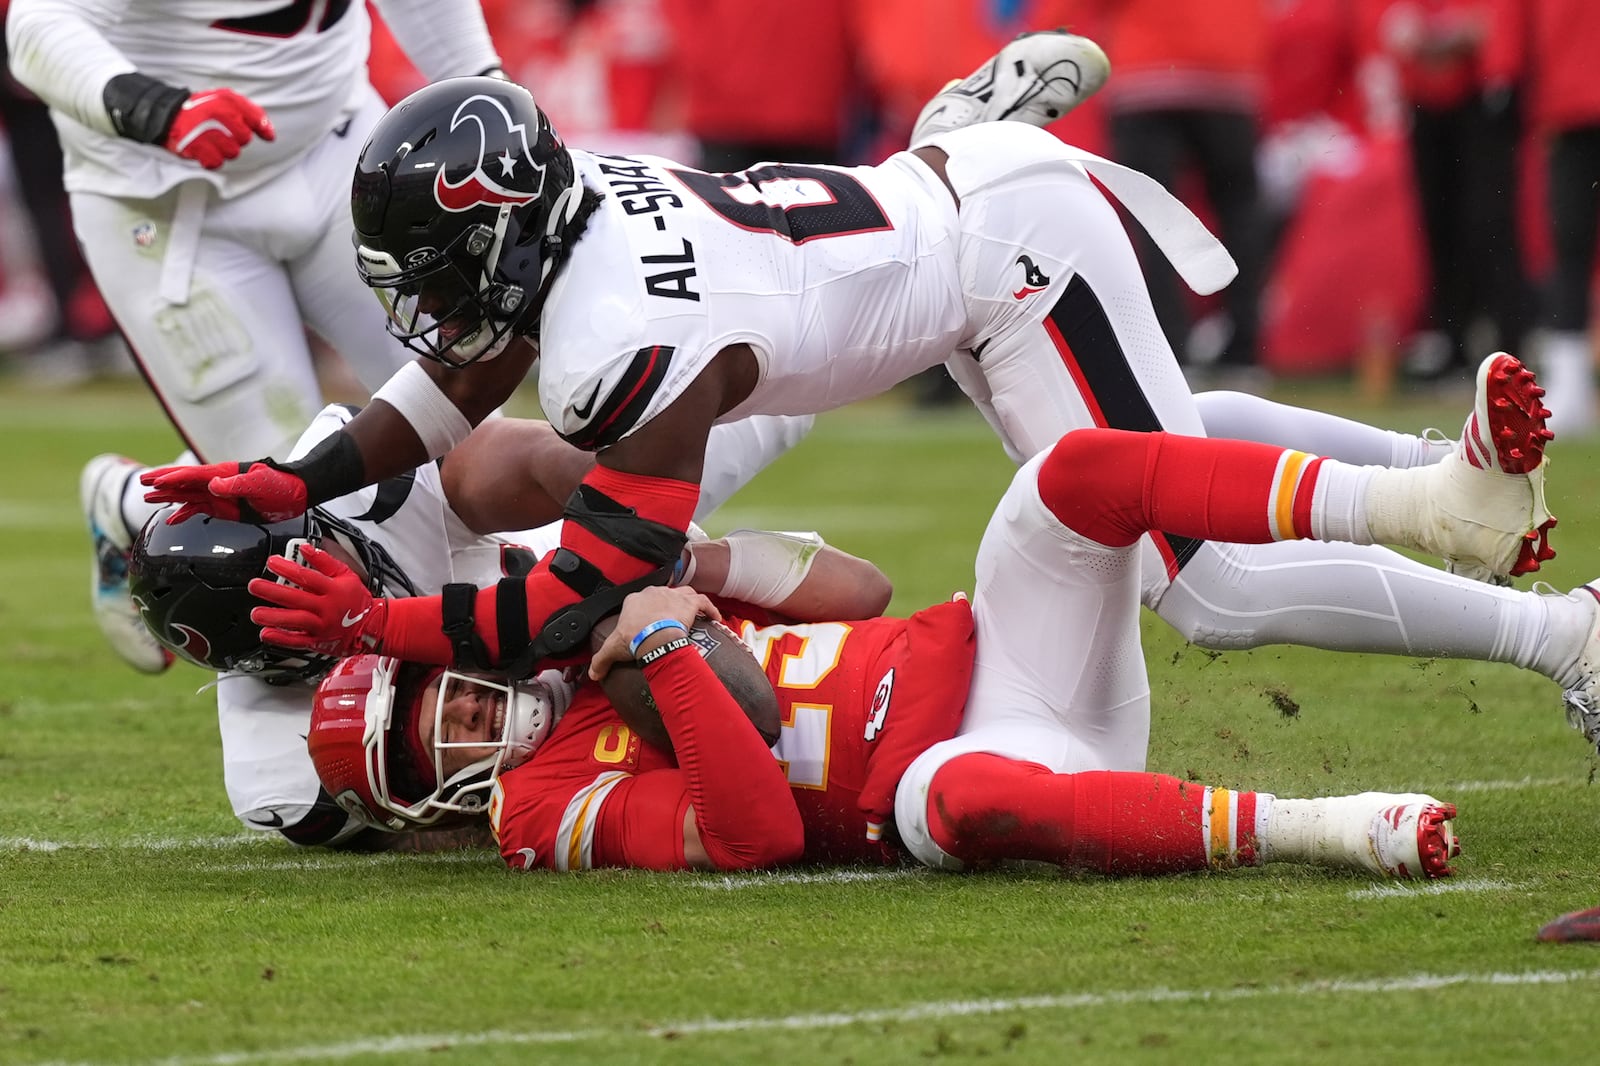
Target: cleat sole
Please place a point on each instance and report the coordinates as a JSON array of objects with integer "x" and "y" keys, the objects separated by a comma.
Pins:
[
  {"x": 1535, "y": 549},
  {"x": 1516, "y": 429},
  {"x": 1437, "y": 842}
]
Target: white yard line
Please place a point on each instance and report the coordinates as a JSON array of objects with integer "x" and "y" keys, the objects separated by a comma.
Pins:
[
  {"x": 325, "y": 861},
  {"x": 38, "y": 516},
  {"x": 825, "y": 877},
  {"x": 1509, "y": 785},
  {"x": 422, "y": 1042},
  {"x": 136, "y": 843},
  {"x": 1434, "y": 888}
]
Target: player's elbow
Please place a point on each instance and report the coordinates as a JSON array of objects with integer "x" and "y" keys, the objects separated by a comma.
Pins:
[{"x": 875, "y": 590}]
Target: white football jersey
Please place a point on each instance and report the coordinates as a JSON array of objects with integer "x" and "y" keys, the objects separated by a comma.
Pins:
[
  {"x": 307, "y": 77},
  {"x": 842, "y": 279},
  {"x": 270, "y": 780}
]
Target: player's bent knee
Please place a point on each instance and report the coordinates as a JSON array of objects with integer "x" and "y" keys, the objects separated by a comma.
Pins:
[
  {"x": 973, "y": 805},
  {"x": 912, "y": 806},
  {"x": 1092, "y": 481}
]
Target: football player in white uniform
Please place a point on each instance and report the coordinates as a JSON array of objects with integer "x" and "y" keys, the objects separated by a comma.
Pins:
[
  {"x": 207, "y": 150},
  {"x": 659, "y": 300},
  {"x": 405, "y": 538}
]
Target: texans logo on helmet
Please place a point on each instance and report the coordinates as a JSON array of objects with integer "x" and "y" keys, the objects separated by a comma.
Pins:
[
  {"x": 194, "y": 642},
  {"x": 478, "y": 188}
]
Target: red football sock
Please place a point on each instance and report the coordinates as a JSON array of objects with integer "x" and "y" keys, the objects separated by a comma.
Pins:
[
  {"x": 1113, "y": 486},
  {"x": 985, "y": 808}
]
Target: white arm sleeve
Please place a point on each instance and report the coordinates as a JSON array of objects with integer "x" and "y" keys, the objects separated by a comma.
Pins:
[
  {"x": 765, "y": 567},
  {"x": 58, "y": 51},
  {"x": 443, "y": 38}
]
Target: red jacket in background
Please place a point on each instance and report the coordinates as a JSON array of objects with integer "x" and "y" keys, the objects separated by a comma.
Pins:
[
  {"x": 1553, "y": 48},
  {"x": 1181, "y": 54},
  {"x": 1438, "y": 46},
  {"x": 763, "y": 71}
]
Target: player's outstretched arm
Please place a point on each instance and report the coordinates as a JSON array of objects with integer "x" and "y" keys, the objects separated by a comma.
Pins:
[
  {"x": 796, "y": 575},
  {"x": 418, "y": 415},
  {"x": 624, "y": 530}
]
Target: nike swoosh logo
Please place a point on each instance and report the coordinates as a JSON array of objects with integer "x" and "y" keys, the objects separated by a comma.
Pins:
[
  {"x": 583, "y": 410},
  {"x": 347, "y": 621},
  {"x": 1024, "y": 291},
  {"x": 274, "y": 820}
]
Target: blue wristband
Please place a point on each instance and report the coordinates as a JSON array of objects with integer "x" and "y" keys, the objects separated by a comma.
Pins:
[{"x": 648, "y": 631}]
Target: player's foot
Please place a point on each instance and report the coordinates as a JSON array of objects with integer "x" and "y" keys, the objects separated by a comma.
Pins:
[
  {"x": 1582, "y": 701},
  {"x": 1486, "y": 511},
  {"x": 100, "y": 489},
  {"x": 1036, "y": 79},
  {"x": 1402, "y": 835}
]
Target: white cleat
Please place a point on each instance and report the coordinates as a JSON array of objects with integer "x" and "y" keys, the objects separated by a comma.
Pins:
[
  {"x": 1405, "y": 835},
  {"x": 1506, "y": 433},
  {"x": 100, "y": 489},
  {"x": 1482, "y": 507},
  {"x": 1582, "y": 701},
  {"x": 1036, "y": 79}
]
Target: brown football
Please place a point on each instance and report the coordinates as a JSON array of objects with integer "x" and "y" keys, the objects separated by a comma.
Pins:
[{"x": 728, "y": 658}]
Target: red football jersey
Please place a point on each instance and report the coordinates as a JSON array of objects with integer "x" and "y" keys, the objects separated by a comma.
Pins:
[{"x": 859, "y": 702}]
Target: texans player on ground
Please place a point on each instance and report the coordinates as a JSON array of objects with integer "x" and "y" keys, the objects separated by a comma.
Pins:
[{"x": 464, "y": 520}]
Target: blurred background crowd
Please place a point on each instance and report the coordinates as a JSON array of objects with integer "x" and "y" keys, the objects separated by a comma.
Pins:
[{"x": 1406, "y": 185}]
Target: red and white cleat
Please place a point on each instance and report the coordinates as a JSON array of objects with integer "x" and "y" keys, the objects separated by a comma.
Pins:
[
  {"x": 1402, "y": 835},
  {"x": 1506, "y": 430},
  {"x": 1506, "y": 434}
]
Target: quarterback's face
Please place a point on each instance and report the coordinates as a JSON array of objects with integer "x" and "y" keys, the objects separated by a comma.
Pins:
[
  {"x": 468, "y": 723},
  {"x": 466, "y": 719}
]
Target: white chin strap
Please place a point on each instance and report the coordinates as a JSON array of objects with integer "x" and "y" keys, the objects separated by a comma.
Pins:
[{"x": 561, "y": 212}]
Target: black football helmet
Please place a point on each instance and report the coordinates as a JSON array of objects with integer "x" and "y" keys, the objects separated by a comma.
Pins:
[
  {"x": 190, "y": 581},
  {"x": 460, "y": 198}
]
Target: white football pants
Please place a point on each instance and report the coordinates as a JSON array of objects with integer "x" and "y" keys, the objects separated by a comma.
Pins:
[{"x": 215, "y": 296}]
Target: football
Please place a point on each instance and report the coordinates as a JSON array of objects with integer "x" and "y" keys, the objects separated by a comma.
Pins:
[{"x": 729, "y": 659}]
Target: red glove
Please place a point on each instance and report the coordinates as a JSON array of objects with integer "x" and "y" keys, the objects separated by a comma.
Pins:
[
  {"x": 214, "y": 125},
  {"x": 239, "y": 492},
  {"x": 325, "y": 608}
]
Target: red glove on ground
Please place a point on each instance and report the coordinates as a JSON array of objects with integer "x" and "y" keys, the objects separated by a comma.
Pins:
[
  {"x": 213, "y": 126},
  {"x": 239, "y": 492},
  {"x": 326, "y": 607}
]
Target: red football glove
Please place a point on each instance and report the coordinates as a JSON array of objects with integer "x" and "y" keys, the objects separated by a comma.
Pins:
[
  {"x": 214, "y": 125},
  {"x": 239, "y": 492},
  {"x": 325, "y": 608}
]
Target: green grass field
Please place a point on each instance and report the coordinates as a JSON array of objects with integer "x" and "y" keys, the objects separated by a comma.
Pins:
[{"x": 140, "y": 923}]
